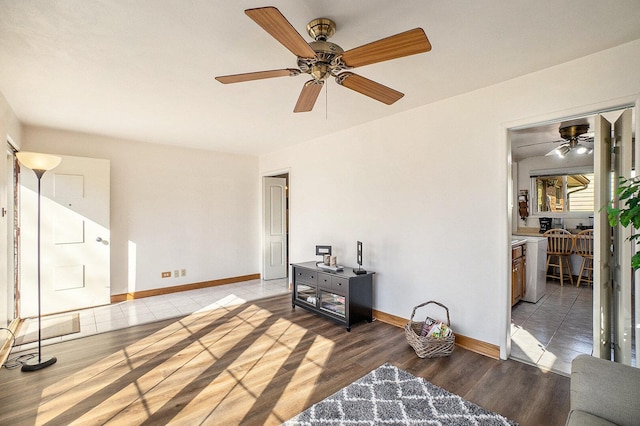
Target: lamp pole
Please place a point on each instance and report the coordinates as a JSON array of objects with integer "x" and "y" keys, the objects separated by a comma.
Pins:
[{"x": 39, "y": 163}]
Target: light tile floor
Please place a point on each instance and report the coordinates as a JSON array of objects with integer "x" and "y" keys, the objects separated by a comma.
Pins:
[
  {"x": 556, "y": 329},
  {"x": 140, "y": 311}
]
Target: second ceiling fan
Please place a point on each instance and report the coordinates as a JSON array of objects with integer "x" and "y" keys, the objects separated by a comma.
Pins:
[
  {"x": 322, "y": 59},
  {"x": 571, "y": 136}
]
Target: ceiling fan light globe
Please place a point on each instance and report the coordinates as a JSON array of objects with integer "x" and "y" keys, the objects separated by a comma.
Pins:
[
  {"x": 581, "y": 149},
  {"x": 562, "y": 151}
]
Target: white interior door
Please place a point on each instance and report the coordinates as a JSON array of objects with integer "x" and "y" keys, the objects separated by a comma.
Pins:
[
  {"x": 274, "y": 228},
  {"x": 622, "y": 300},
  {"x": 602, "y": 242},
  {"x": 75, "y": 235}
]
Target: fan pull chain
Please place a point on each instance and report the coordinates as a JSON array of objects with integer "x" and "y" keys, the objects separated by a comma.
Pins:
[{"x": 326, "y": 102}]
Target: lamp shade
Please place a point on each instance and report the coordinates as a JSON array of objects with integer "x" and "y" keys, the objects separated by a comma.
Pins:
[{"x": 38, "y": 161}]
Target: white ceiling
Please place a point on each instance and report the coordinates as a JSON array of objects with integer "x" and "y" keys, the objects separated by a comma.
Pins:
[{"x": 145, "y": 69}]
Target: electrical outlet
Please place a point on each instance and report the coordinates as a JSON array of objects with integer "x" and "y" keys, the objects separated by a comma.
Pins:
[
  {"x": 166, "y": 274},
  {"x": 183, "y": 272},
  {"x": 176, "y": 273}
]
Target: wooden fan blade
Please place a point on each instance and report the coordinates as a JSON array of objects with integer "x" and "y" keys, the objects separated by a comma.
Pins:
[
  {"x": 369, "y": 88},
  {"x": 308, "y": 96},
  {"x": 404, "y": 44},
  {"x": 238, "y": 78},
  {"x": 539, "y": 143},
  {"x": 273, "y": 22}
]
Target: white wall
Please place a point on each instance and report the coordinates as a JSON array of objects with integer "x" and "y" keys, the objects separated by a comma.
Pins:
[
  {"x": 9, "y": 124},
  {"x": 427, "y": 190},
  {"x": 181, "y": 208},
  {"x": 9, "y": 128}
]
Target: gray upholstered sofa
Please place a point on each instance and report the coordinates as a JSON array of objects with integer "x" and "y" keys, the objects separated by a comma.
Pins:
[{"x": 603, "y": 393}]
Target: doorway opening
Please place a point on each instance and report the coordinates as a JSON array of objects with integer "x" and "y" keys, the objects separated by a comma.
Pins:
[{"x": 552, "y": 323}]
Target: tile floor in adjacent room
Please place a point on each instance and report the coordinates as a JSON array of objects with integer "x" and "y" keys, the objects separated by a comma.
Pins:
[
  {"x": 149, "y": 309},
  {"x": 556, "y": 329}
]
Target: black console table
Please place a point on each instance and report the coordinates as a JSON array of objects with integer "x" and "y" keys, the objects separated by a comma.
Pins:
[{"x": 341, "y": 296}]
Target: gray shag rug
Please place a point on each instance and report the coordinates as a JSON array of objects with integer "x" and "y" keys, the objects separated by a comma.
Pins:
[{"x": 391, "y": 396}]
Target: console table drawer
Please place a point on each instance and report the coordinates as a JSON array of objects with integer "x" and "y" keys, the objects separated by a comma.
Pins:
[
  {"x": 340, "y": 285},
  {"x": 306, "y": 275},
  {"x": 324, "y": 281},
  {"x": 332, "y": 283}
]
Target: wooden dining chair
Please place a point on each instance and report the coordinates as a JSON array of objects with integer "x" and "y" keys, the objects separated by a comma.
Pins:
[
  {"x": 584, "y": 248},
  {"x": 560, "y": 244}
]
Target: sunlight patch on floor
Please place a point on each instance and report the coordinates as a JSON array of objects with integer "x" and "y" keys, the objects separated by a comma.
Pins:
[
  {"x": 308, "y": 373},
  {"x": 227, "y": 301},
  {"x": 243, "y": 382},
  {"x": 523, "y": 343},
  {"x": 526, "y": 347},
  {"x": 110, "y": 376},
  {"x": 192, "y": 361}
]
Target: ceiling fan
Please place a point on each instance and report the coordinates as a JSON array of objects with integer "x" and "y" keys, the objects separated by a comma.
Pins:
[
  {"x": 573, "y": 135},
  {"x": 322, "y": 59}
]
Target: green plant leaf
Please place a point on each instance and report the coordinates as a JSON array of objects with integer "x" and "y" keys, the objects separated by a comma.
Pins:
[
  {"x": 613, "y": 214},
  {"x": 626, "y": 216},
  {"x": 625, "y": 210}
]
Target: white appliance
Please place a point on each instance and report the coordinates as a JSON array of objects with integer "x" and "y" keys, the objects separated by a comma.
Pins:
[{"x": 536, "y": 273}]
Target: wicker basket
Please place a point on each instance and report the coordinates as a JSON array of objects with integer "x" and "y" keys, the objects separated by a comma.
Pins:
[{"x": 428, "y": 347}]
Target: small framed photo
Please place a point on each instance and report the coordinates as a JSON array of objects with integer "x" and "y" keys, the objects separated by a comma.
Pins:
[{"x": 322, "y": 250}]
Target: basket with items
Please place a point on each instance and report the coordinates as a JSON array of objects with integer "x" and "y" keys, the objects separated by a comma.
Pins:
[{"x": 430, "y": 338}]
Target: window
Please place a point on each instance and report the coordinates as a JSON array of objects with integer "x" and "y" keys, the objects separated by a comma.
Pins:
[{"x": 564, "y": 193}]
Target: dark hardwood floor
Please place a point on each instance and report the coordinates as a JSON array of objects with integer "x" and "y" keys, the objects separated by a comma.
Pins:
[{"x": 257, "y": 363}]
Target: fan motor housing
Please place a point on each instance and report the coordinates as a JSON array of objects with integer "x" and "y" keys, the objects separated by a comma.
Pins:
[
  {"x": 574, "y": 131},
  {"x": 325, "y": 52}
]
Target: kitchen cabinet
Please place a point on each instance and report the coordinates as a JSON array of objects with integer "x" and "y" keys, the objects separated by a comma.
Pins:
[
  {"x": 518, "y": 272},
  {"x": 536, "y": 267}
]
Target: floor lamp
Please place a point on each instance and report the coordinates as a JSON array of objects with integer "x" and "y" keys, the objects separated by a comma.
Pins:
[{"x": 39, "y": 163}]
